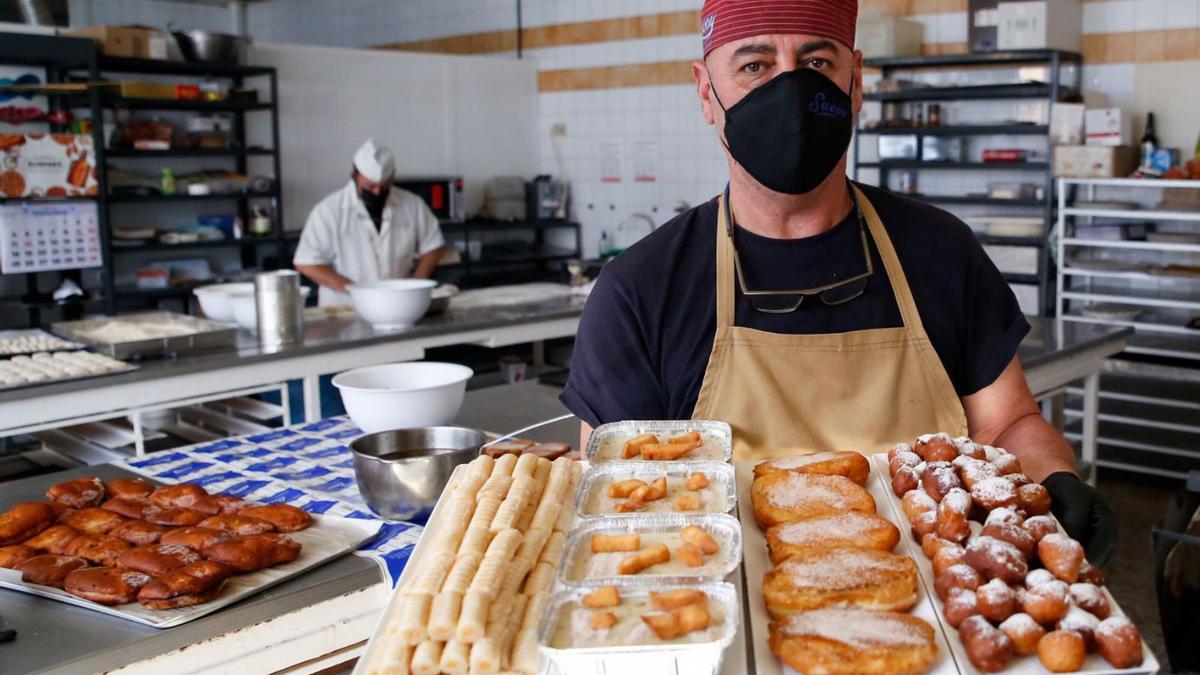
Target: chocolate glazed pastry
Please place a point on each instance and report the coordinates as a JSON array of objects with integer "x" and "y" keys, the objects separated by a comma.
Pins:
[
  {"x": 189, "y": 585},
  {"x": 253, "y": 553},
  {"x": 80, "y": 493},
  {"x": 23, "y": 521},
  {"x": 106, "y": 585},
  {"x": 49, "y": 570}
]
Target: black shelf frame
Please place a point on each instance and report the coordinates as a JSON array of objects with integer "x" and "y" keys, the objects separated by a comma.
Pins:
[
  {"x": 542, "y": 260},
  {"x": 1055, "y": 90},
  {"x": 239, "y": 155}
]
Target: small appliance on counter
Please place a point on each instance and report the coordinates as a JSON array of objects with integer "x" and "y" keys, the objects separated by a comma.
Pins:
[
  {"x": 443, "y": 195},
  {"x": 546, "y": 199},
  {"x": 504, "y": 198}
]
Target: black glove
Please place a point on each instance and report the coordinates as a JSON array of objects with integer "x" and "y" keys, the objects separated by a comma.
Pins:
[{"x": 1084, "y": 515}]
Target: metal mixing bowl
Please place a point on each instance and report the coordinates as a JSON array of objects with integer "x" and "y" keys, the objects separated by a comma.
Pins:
[{"x": 401, "y": 473}]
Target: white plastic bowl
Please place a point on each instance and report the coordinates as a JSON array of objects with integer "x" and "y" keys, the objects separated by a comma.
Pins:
[
  {"x": 393, "y": 303},
  {"x": 245, "y": 307},
  {"x": 403, "y": 395},
  {"x": 215, "y": 299}
]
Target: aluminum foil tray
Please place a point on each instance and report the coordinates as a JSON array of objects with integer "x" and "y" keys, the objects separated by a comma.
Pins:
[
  {"x": 607, "y": 439},
  {"x": 195, "y": 334},
  {"x": 598, "y": 476}
]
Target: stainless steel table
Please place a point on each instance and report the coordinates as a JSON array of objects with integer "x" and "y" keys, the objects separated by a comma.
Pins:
[{"x": 329, "y": 346}]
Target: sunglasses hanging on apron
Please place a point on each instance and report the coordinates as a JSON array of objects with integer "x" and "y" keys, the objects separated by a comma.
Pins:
[{"x": 863, "y": 390}]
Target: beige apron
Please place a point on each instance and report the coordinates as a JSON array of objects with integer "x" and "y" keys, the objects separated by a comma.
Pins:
[{"x": 864, "y": 390}]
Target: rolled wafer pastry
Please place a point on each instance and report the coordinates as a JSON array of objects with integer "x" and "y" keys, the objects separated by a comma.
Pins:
[
  {"x": 472, "y": 620},
  {"x": 542, "y": 471},
  {"x": 474, "y": 478},
  {"x": 462, "y": 572},
  {"x": 413, "y": 618},
  {"x": 425, "y": 658},
  {"x": 477, "y": 535},
  {"x": 485, "y": 656},
  {"x": 525, "y": 465},
  {"x": 565, "y": 518},
  {"x": 496, "y": 485},
  {"x": 432, "y": 572},
  {"x": 533, "y": 610},
  {"x": 535, "y": 498},
  {"x": 396, "y": 657},
  {"x": 510, "y": 509},
  {"x": 456, "y": 657},
  {"x": 549, "y": 509},
  {"x": 490, "y": 575},
  {"x": 525, "y": 658},
  {"x": 499, "y": 611},
  {"x": 443, "y": 615},
  {"x": 506, "y": 632},
  {"x": 482, "y": 464},
  {"x": 552, "y": 552},
  {"x": 540, "y": 579},
  {"x": 504, "y": 465},
  {"x": 525, "y": 558}
]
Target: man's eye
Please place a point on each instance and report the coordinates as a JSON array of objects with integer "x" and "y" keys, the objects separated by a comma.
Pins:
[
  {"x": 817, "y": 63},
  {"x": 753, "y": 67}
]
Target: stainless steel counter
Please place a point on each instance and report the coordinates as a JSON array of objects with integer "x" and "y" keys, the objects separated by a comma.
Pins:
[{"x": 329, "y": 346}]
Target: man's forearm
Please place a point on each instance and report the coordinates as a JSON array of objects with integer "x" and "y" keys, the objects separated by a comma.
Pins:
[
  {"x": 1040, "y": 447},
  {"x": 427, "y": 264},
  {"x": 325, "y": 275}
]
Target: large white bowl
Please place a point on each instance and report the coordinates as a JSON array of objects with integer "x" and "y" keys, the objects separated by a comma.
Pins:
[
  {"x": 403, "y": 395},
  {"x": 215, "y": 299},
  {"x": 245, "y": 307},
  {"x": 393, "y": 303}
]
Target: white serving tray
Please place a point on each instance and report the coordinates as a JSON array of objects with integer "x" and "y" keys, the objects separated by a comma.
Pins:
[
  {"x": 1020, "y": 665},
  {"x": 754, "y": 551},
  {"x": 327, "y": 538}
]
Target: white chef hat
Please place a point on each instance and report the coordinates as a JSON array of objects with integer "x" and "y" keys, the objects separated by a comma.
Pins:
[{"x": 375, "y": 162}]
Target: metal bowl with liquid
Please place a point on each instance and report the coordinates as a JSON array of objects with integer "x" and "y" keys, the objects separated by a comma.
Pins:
[{"x": 401, "y": 473}]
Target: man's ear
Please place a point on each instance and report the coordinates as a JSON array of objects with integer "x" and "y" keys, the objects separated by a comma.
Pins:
[
  {"x": 856, "y": 76},
  {"x": 704, "y": 91}
]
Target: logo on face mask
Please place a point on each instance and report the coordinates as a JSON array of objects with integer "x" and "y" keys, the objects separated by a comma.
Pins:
[
  {"x": 706, "y": 26},
  {"x": 821, "y": 107}
]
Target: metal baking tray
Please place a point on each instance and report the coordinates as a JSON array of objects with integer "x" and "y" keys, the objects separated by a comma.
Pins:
[
  {"x": 887, "y": 500},
  {"x": 695, "y": 658},
  {"x": 327, "y": 538},
  {"x": 607, "y": 439},
  {"x": 724, "y": 527},
  {"x": 60, "y": 346},
  {"x": 203, "y": 334},
  {"x": 717, "y": 472}
]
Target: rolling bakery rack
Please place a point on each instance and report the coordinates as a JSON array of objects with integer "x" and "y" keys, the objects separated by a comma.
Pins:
[{"x": 1059, "y": 78}]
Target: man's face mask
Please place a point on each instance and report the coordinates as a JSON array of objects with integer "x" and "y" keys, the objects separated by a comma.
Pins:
[{"x": 791, "y": 132}]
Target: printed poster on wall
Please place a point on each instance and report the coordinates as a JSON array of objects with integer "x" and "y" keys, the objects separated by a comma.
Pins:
[
  {"x": 645, "y": 161},
  {"x": 610, "y": 162}
]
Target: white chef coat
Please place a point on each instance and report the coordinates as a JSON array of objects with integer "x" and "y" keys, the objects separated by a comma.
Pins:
[{"x": 340, "y": 233}]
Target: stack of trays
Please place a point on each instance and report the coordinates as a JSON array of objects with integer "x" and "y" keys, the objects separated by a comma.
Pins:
[{"x": 641, "y": 582}]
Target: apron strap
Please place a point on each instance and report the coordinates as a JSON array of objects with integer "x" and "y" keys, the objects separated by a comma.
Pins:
[
  {"x": 891, "y": 263},
  {"x": 727, "y": 284}
]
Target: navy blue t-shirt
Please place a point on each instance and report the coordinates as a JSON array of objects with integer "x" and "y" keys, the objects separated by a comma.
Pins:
[{"x": 647, "y": 329}]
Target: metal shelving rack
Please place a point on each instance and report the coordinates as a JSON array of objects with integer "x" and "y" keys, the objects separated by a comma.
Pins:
[
  {"x": 1049, "y": 92},
  {"x": 249, "y": 246},
  {"x": 540, "y": 260},
  {"x": 1150, "y": 396}
]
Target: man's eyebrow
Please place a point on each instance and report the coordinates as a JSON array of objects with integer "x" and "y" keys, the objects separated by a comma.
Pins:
[
  {"x": 816, "y": 46},
  {"x": 753, "y": 48}
]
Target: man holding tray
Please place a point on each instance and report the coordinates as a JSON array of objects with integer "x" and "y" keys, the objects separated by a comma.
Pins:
[{"x": 900, "y": 324}]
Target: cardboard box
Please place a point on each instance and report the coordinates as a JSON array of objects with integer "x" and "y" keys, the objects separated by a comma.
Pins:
[
  {"x": 1094, "y": 161},
  {"x": 1107, "y": 126},
  {"x": 880, "y": 36},
  {"x": 134, "y": 42},
  {"x": 47, "y": 165},
  {"x": 1043, "y": 24},
  {"x": 1066, "y": 124},
  {"x": 983, "y": 17},
  {"x": 135, "y": 89}
]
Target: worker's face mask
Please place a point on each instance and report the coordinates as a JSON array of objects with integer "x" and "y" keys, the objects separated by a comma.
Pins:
[
  {"x": 791, "y": 132},
  {"x": 374, "y": 202}
]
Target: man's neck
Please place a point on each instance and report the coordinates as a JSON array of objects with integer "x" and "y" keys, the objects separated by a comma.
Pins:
[{"x": 783, "y": 216}]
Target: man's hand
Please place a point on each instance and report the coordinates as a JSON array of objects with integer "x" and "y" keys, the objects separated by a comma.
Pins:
[
  {"x": 1084, "y": 515},
  {"x": 325, "y": 275}
]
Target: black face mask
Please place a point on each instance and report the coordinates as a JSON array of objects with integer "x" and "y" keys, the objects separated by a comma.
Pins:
[
  {"x": 790, "y": 133},
  {"x": 374, "y": 203}
]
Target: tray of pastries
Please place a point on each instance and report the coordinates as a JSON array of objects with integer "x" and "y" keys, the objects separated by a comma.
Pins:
[
  {"x": 160, "y": 555},
  {"x": 829, "y": 587},
  {"x": 654, "y": 547},
  {"x": 631, "y": 627},
  {"x": 45, "y": 367},
  {"x": 473, "y": 593},
  {"x": 1013, "y": 592},
  {"x": 660, "y": 441},
  {"x": 33, "y": 340},
  {"x": 633, "y": 488}
]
